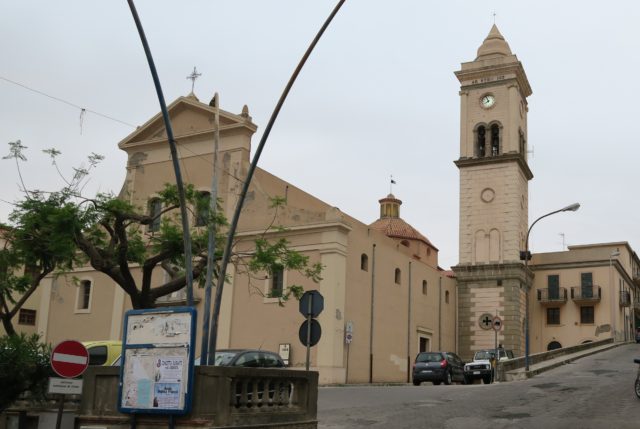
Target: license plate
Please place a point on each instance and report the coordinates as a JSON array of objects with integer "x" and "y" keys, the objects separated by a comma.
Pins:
[
  {"x": 476, "y": 372},
  {"x": 426, "y": 371}
]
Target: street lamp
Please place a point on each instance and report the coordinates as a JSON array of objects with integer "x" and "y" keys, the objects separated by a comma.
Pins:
[
  {"x": 612, "y": 255},
  {"x": 526, "y": 256}
]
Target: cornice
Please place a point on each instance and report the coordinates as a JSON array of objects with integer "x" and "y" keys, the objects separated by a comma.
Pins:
[
  {"x": 227, "y": 129},
  {"x": 505, "y": 158},
  {"x": 495, "y": 71}
]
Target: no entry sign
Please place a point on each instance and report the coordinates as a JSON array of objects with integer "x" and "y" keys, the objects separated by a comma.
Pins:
[{"x": 69, "y": 359}]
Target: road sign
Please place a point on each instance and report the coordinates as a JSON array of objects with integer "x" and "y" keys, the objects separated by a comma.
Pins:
[
  {"x": 316, "y": 332},
  {"x": 65, "y": 386},
  {"x": 311, "y": 303},
  {"x": 348, "y": 337},
  {"x": 497, "y": 323},
  {"x": 486, "y": 321},
  {"x": 69, "y": 359}
]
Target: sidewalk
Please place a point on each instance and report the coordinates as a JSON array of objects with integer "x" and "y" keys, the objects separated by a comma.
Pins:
[{"x": 521, "y": 374}]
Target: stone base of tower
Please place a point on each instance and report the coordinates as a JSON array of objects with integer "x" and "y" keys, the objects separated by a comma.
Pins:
[{"x": 495, "y": 290}]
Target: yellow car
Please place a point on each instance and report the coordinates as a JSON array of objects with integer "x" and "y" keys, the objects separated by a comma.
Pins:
[{"x": 103, "y": 353}]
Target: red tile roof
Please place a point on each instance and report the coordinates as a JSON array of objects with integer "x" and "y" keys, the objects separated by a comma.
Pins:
[{"x": 397, "y": 228}]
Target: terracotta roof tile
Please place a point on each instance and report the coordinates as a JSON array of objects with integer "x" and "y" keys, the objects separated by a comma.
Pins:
[{"x": 398, "y": 228}]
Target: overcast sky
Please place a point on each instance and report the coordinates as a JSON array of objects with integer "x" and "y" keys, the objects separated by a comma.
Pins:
[{"x": 377, "y": 98}]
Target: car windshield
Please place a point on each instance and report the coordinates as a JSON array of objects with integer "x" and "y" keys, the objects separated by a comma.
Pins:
[
  {"x": 429, "y": 357},
  {"x": 223, "y": 358},
  {"x": 484, "y": 355}
]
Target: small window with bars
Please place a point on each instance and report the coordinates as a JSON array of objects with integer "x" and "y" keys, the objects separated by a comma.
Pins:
[{"x": 27, "y": 317}]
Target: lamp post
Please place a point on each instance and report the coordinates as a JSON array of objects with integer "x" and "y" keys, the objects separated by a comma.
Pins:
[
  {"x": 526, "y": 256},
  {"x": 613, "y": 254}
]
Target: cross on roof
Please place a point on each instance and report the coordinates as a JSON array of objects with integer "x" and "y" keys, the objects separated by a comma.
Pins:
[{"x": 193, "y": 76}]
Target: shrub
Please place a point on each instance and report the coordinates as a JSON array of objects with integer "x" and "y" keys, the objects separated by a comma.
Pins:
[{"x": 24, "y": 367}]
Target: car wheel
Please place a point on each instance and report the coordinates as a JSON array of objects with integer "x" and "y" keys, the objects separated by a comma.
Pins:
[
  {"x": 486, "y": 379},
  {"x": 416, "y": 382},
  {"x": 436, "y": 383},
  {"x": 638, "y": 387},
  {"x": 447, "y": 378},
  {"x": 466, "y": 380}
]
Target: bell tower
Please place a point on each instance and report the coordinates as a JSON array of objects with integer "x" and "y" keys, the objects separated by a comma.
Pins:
[{"x": 494, "y": 177}]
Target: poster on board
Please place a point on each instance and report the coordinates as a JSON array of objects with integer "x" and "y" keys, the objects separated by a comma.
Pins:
[{"x": 157, "y": 366}]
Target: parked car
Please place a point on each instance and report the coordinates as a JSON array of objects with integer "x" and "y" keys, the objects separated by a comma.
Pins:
[
  {"x": 438, "y": 367},
  {"x": 483, "y": 364},
  {"x": 103, "y": 353},
  {"x": 247, "y": 358}
]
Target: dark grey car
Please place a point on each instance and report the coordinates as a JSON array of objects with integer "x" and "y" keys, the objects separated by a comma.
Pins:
[{"x": 438, "y": 367}]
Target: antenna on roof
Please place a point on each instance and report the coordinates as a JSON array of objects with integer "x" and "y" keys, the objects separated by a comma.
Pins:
[
  {"x": 391, "y": 183},
  {"x": 494, "y": 17}
]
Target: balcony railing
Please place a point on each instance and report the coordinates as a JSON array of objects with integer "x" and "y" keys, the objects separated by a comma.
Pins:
[
  {"x": 582, "y": 294},
  {"x": 625, "y": 298},
  {"x": 552, "y": 296}
]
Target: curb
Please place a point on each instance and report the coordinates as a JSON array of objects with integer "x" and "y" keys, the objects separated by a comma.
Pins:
[{"x": 518, "y": 375}]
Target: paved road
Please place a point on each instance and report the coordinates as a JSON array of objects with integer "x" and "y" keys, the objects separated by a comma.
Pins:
[{"x": 594, "y": 392}]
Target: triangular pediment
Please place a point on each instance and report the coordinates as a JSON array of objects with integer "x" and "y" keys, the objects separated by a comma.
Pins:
[{"x": 188, "y": 116}]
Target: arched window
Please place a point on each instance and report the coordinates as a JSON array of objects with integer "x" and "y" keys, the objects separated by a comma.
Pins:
[
  {"x": 553, "y": 345},
  {"x": 155, "y": 208},
  {"x": 364, "y": 262},
  {"x": 446, "y": 297},
  {"x": 202, "y": 208},
  {"x": 397, "y": 276},
  {"x": 480, "y": 141},
  {"x": 495, "y": 140},
  {"x": 424, "y": 287}
]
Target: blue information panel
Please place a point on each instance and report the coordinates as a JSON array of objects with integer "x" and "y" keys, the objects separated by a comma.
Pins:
[{"x": 156, "y": 372}]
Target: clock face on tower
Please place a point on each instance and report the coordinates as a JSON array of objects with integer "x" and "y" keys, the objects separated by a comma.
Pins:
[{"x": 487, "y": 101}]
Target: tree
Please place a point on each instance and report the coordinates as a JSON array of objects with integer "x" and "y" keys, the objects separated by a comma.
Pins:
[
  {"x": 24, "y": 367},
  {"x": 39, "y": 239},
  {"x": 115, "y": 238}
]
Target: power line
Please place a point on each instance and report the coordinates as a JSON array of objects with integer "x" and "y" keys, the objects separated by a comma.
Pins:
[{"x": 82, "y": 109}]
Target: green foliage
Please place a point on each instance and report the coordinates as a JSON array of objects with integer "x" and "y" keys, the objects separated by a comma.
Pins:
[
  {"x": 24, "y": 367},
  {"x": 61, "y": 230},
  {"x": 43, "y": 230}
]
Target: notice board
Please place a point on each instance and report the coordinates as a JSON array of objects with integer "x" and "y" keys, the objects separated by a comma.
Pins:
[{"x": 156, "y": 372}]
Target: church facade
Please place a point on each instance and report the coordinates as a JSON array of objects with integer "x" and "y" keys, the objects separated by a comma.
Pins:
[{"x": 380, "y": 281}]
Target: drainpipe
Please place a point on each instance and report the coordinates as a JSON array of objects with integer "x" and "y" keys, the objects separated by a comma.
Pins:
[
  {"x": 409, "y": 328},
  {"x": 440, "y": 313},
  {"x": 373, "y": 282}
]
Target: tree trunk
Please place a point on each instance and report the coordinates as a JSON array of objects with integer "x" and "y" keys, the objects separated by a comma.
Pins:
[{"x": 8, "y": 326}]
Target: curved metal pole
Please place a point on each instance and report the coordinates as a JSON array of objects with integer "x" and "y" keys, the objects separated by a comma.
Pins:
[
  {"x": 205, "y": 358},
  {"x": 572, "y": 208},
  {"x": 174, "y": 156},
  {"x": 226, "y": 256}
]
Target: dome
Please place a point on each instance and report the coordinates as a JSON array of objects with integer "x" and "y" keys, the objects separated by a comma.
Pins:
[{"x": 395, "y": 227}]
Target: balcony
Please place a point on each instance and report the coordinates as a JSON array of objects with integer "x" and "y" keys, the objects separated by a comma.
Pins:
[
  {"x": 625, "y": 298},
  {"x": 547, "y": 297},
  {"x": 586, "y": 294}
]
